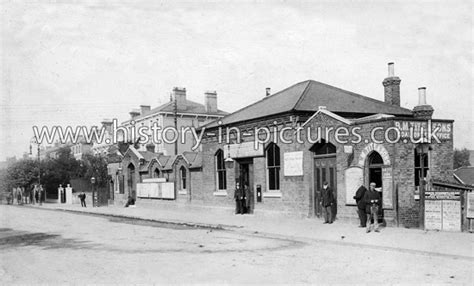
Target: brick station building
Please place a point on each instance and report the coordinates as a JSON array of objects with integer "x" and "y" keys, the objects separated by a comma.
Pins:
[
  {"x": 287, "y": 177},
  {"x": 317, "y": 133}
]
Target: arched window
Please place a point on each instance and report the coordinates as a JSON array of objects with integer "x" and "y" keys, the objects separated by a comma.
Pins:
[
  {"x": 182, "y": 172},
  {"x": 323, "y": 148},
  {"x": 220, "y": 170},
  {"x": 273, "y": 166},
  {"x": 156, "y": 173}
]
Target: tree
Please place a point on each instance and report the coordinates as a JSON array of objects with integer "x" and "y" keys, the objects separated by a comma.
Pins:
[
  {"x": 22, "y": 173},
  {"x": 461, "y": 158},
  {"x": 96, "y": 166}
]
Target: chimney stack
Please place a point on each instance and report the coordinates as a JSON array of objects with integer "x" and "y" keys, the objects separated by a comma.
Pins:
[
  {"x": 210, "y": 101},
  {"x": 267, "y": 91},
  {"x": 392, "y": 86},
  {"x": 150, "y": 148},
  {"x": 107, "y": 124},
  {"x": 134, "y": 113},
  {"x": 423, "y": 110},
  {"x": 144, "y": 109},
  {"x": 179, "y": 94}
]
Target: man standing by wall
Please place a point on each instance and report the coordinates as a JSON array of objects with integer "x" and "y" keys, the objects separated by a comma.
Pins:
[
  {"x": 327, "y": 199},
  {"x": 372, "y": 200},
  {"x": 239, "y": 199},
  {"x": 359, "y": 198}
]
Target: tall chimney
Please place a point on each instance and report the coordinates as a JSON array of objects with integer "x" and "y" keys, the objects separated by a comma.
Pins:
[
  {"x": 267, "y": 91},
  {"x": 134, "y": 113},
  {"x": 144, "y": 109},
  {"x": 392, "y": 86},
  {"x": 210, "y": 101},
  {"x": 150, "y": 148},
  {"x": 179, "y": 94},
  {"x": 423, "y": 110}
]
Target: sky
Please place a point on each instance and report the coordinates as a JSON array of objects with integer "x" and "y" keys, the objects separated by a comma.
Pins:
[{"x": 77, "y": 62}]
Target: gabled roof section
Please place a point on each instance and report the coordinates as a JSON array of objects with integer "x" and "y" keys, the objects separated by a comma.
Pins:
[
  {"x": 330, "y": 114},
  {"x": 134, "y": 151},
  {"x": 307, "y": 96},
  {"x": 194, "y": 159}
]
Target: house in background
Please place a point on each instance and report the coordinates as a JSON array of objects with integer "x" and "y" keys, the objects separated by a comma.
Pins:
[{"x": 187, "y": 113}]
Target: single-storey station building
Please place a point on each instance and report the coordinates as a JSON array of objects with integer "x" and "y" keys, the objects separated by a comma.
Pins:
[{"x": 285, "y": 146}]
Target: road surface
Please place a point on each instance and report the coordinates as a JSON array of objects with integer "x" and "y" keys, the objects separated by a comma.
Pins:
[{"x": 44, "y": 246}]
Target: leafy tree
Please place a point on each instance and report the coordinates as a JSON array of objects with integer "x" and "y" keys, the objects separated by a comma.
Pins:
[
  {"x": 96, "y": 166},
  {"x": 22, "y": 173},
  {"x": 461, "y": 158}
]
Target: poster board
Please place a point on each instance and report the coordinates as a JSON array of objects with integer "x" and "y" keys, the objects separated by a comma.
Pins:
[
  {"x": 387, "y": 188},
  {"x": 293, "y": 163},
  {"x": 451, "y": 215},
  {"x": 470, "y": 205},
  {"x": 433, "y": 217},
  {"x": 156, "y": 190},
  {"x": 353, "y": 179}
]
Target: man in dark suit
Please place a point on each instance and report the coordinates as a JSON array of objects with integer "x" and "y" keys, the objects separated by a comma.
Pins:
[
  {"x": 327, "y": 199},
  {"x": 359, "y": 198},
  {"x": 372, "y": 200},
  {"x": 239, "y": 197}
]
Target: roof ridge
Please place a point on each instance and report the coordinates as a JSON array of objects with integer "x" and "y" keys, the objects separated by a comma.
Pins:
[
  {"x": 358, "y": 95},
  {"x": 252, "y": 104}
]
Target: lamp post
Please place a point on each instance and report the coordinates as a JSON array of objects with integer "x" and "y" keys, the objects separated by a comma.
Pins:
[
  {"x": 35, "y": 141},
  {"x": 93, "y": 192}
]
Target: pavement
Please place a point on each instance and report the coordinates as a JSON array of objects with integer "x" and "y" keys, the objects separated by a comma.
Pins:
[
  {"x": 41, "y": 245},
  {"x": 448, "y": 244}
]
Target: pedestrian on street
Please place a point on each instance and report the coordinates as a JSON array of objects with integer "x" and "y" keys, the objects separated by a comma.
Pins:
[
  {"x": 36, "y": 193},
  {"x": 82, "y": 197},
  {"x": 359, "y": 198},
  {"x": 130, "y": 202},
  {"x": 327, "y": 200},
  {"x": 32, "y": 195},
  {"x": 372, "y": 199},
  {"x": 239, "y": 199},
  {"x": 42, "y": 197},
  {"x": 18, "y": 196}
]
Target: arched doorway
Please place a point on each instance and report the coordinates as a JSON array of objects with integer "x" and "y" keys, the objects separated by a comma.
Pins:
[
  {"x": 374, "y": 174},
  {"x": 324, "y": 171},
  {"x": 156, "y": 173},
  {"x": 131, "y": 181}
]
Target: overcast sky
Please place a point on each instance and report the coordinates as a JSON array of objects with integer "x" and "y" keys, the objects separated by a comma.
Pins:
[{"x": 76, "y": 64}]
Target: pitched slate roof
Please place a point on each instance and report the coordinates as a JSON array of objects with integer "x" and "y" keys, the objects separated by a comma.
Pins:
[
  {"x": 465, "y": 175},
  {"x": 191, "y": 108},
  {"x": 307, "y": 96}
]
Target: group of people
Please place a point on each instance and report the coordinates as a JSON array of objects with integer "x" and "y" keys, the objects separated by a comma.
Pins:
[
  {"x": 27, "y": 196},
  {"x": 368, "y": 206},
  {"x": 242, "y": 198}
]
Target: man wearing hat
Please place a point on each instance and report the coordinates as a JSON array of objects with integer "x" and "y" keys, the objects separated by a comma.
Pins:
[
  {"x": 372, "y": 199},
  {"x": 327, "y": 199}
]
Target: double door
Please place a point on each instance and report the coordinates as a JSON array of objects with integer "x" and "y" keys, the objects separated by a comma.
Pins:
[{"x": 324, "y": 171}]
